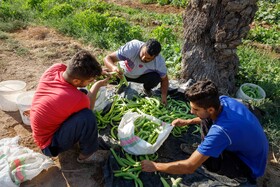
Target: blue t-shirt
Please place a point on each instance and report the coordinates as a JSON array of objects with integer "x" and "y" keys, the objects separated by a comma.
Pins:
[
  {"x": 129, "y": 56},
  {"x": 237, "y": 130}
]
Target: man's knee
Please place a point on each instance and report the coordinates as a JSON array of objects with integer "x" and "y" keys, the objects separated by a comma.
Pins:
[
  {"x": 86, "y": 114},
  {"x": 155, "y": 77},
  {"x": 152, "y": 80},
  {"x": 88, "y": 118},
  {"x": 84, "y": 120}
]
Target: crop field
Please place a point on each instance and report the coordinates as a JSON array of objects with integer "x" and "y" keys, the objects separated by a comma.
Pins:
[{"x": 107, "y": 26}]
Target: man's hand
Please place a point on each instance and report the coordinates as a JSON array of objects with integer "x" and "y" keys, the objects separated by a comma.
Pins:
[
  {"x": 105, "y": 71},
  {"x": 94, "y": 89},
  {"x": 117, "y": 70},
  {"x": 180, "y": 122},
  {"x": 110, "y": 62},
  {"x": 164, "y": 100},
  {"x": 101, "y": 83},
  {"x": 148, "y": 166}
]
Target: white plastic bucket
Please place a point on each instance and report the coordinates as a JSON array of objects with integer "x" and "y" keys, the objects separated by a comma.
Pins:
[
  {"x": 241, "y": 95},
  {"x": 24, "y": 101},
  {"x": 9, "y": 91}
]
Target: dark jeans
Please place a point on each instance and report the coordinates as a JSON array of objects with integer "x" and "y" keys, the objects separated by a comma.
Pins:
[
  {"x": 150, "y": 80},
  {"x": 227, "y": 163},
  {"x": 81, "y": 127}
]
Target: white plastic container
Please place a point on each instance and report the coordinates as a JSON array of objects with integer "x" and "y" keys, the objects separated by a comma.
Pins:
[
  {"x": 9, "y": 91},
  {"x": 24, "y": 101},
  {"x": 241, "y": 95}
]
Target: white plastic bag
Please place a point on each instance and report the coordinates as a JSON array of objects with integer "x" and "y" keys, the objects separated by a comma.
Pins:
[
  {"x": 19, "y": 164},
  {"x": 135, "y": 145},
  {"x": 102, "y": 99}
]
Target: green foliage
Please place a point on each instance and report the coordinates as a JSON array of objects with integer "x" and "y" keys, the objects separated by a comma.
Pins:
[
  {"x": 179, "y": 3},
  {"x": 163, "y": 2},
  {"x": 271, "y": 122},
  {"x": 59, "y": 11},
  {"x": 3, "y": 35},
  {"x": 267, "y": 23},
  {"x": 268, "y": 12},
  {"x": 12, "y": 25},
  {"x": 99, "y": 6},
  {"x": 34, "y": 4},
  {"x": 260, "y": 68},
  {"x": 100, "y": 29},
  {"x": 13, "y": 11},
  {"x": 264, "y": 35},
  {"x": 170, "y": 19},
  {"x": 171, "y": 49},
  {"x": 148, "y": 1},
  {"x": 163, "y": 34},
  {"x": 86, "y": 19},
  {"x": 121, "y": 31},
  {"x": 173, "y": 57},
  {"x": 90, "y": 21}
]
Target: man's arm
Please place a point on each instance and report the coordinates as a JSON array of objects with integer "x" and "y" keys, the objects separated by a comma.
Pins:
[
  {"x": 182, "y": 122},
  {"x": 187, "y": 166},
  {"x": 94, "y": 90},
  {"x": 110, "y": 60},
  {"x": 164, "y": 89}
]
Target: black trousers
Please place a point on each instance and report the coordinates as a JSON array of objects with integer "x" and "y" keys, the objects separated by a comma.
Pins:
[
  {"x": 228, "y": 163},
  {"x": 80, "y": 128},
  {"x": 150, "y": 80}
]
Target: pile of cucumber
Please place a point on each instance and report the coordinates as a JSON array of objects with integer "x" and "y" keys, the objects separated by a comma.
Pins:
[{"x": 252, "y": 92}]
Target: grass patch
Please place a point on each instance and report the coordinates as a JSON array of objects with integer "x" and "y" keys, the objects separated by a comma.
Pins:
[
  {"x": 17, "y": 47},
  {"x": 263, "y": 68},
  {"x": 148, "y": 1},
  {"x": 3, "y": 35},
  {"x": 12, "y": 26}
]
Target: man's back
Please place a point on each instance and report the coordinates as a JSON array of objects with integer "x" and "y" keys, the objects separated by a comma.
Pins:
[
  {"x": 54, "y": 101},
  {"x": 237, "y": 130}
]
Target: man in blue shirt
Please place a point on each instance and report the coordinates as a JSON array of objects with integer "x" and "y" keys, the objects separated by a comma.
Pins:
[{"x": 233, "y": 141}]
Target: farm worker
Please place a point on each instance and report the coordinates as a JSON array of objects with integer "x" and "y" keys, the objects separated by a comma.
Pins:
[
  {"x": 233, "y": 141},
  {"x": 61, "y": 115},
  {"x": 141, "y": 62}
]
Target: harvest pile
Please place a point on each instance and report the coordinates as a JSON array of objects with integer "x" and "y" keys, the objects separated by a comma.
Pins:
[
  {"x": 148, "y": 105},
  {"x": 129, "y": 165}
]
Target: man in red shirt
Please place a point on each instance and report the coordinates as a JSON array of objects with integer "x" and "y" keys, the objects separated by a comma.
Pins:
[{"x": 61, "y": 115}]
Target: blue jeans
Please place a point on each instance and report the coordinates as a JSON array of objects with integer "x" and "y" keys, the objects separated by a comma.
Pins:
[{"x": 81, "y": 127}]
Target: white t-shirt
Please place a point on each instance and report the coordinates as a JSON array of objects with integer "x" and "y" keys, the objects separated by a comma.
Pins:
[{"x": 129, "y": 56}]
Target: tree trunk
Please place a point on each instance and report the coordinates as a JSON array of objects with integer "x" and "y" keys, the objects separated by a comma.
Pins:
[{"x": 212, "y": 31}]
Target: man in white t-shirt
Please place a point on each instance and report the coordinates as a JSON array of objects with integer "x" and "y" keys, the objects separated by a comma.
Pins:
[{"x": 141, "y": 63}]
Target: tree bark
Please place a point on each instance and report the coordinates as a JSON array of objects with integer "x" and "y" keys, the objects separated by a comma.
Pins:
[{"x": 212, "y": 31}]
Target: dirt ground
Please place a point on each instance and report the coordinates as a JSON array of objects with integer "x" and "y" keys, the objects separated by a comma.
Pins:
[
  {"x": 25, "y": 55},
  {"x": 148, "y": 7}
]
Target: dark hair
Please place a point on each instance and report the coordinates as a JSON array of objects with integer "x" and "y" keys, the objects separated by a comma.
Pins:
[
  {"x": 153, "y": 47},
  {"x": 83, "y": 66},
  {"x": 204, "y": 94}
]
